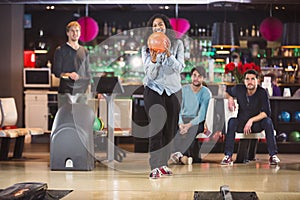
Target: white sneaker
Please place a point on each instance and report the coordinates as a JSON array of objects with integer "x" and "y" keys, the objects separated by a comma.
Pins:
[
  {"x": 227, "y": 160},
  {"x": 186, "y": 160},
  {"x": 155, "y": 174},
  {"x": 274, "y": 160},
  {"x": 190, "y": 161},
  {"x": 175, "y": 158}
]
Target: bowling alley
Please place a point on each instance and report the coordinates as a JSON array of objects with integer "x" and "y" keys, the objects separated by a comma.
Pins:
[{"x": 114, "y": 99}]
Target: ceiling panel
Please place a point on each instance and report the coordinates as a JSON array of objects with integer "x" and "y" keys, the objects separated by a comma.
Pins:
[
  {"x": 143, "y": 5},
  {"x": 144, "y": 1},
  {"x": 157, "y": 7}
]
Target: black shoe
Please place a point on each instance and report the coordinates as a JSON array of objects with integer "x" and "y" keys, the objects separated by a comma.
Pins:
[{"x": 197, "y": 160}]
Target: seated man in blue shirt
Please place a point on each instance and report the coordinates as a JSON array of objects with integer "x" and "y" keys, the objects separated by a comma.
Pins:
[
  {"x": 253, "y": 115},
  {"x": 195, "y": 100}
]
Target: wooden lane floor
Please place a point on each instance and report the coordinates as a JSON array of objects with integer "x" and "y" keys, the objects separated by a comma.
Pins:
[{"x": 129, "y": 179}]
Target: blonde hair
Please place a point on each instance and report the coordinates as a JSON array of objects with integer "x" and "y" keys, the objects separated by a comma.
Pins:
[{"x": 72, "y": 23}]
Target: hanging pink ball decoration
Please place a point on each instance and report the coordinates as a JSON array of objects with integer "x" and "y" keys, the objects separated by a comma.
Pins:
[
  {"x": 89, "y": 29},
  {"x": 180, "y": 26},
  {"x": 271, "y": 28}
]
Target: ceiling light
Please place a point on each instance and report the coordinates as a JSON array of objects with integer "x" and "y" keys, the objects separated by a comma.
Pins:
[
  {"x": 225, "y": 35},
  {"x": 218, "y": 60},
  {"x": 50, "y": 7},
  {"x": 179, "y": 25},
  {"x": 222, "y": 51},
  {"x": 41, "y": 46},
  {"x": 131, "y": 46},
  {"x": 291, "y": 35}
]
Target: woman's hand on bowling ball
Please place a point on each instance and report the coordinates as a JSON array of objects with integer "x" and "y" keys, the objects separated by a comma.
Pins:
[
  {"x": 168, "y": 53},
  {"x": 153, "y": 55}
]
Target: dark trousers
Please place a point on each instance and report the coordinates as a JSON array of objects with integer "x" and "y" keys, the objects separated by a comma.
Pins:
[
  {"x": 163, "y": 112},
  {"x": 187, "y": 143},
  {"x": 264, "y": 124}
]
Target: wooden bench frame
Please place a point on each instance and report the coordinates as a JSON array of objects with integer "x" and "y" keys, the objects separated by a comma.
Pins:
[
  {"x": 247, "y": 146},
  {"x": 19, "y": 135}
]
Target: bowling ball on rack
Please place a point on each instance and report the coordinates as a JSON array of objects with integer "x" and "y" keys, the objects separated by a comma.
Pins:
[
  {"x": 156, "y": 42},
  {"x": 102, "y": 124},
  {"x": 294, "y": 136},
  {"x": 98, "y": 124},
  {"x": 282, "y": 137},
  {"x": 297, "y": 116},
  {"x": 279, "y": 117},
  {"x": 284, "y": 116}
]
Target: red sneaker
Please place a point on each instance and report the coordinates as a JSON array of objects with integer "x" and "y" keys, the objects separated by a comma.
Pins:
[
  {"x": 155, "y": 173},
  {"x": 165, "y": 171},
  {"x": 274, "y": 160},
  {"x": 175, "y": 158},
  {"x": 227, "y": 160}
]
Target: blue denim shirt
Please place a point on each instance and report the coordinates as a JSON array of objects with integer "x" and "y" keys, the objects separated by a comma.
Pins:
[{"x": 164, "y": 75}]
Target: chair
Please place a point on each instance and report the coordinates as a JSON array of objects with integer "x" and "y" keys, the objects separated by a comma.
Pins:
[
  {"x": 9, "y": 131},
  {"x": 8, "y": 114}
]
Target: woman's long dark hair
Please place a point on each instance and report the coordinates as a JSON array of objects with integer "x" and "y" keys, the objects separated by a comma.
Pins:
[{"x": 169, "y": 31}]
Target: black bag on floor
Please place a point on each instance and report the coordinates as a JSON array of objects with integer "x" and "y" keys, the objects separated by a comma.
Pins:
[{"x": 24, "y": 191}]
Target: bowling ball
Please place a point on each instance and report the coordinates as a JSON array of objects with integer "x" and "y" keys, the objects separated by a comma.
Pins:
[
  {"x": 156, "y": 42},
  {"x": 102, "y": 124},
  {"x": 282, "y": 137},
  {"x": 97, "y": 124},
  {"x": 279, "y": 117},
  {"x": 297, "y": 116},
  {"x": 294, "y": 136},
  {"x": 285, "y": 116}
]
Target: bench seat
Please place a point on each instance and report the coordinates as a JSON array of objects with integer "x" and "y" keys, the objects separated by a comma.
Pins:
[
  {"x": 260, "y": 135},
  {"x": 19, "y": 135},
  {"x": 248, "y": 146}
]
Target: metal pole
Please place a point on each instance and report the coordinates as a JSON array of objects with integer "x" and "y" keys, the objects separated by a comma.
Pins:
[{"x": 110, "y": 127}]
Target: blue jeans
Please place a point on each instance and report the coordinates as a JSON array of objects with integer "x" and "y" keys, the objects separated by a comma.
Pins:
[{"x": 264, "y": 124}]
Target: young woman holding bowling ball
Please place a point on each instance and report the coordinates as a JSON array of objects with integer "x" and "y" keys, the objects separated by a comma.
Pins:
[{"x": 162, "y": 94}]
